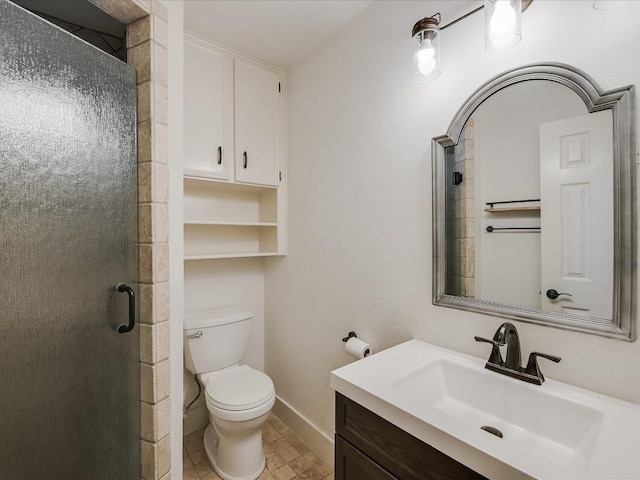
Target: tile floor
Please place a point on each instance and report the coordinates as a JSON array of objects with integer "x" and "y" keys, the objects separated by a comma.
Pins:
[{"x": 288, "y": 457}]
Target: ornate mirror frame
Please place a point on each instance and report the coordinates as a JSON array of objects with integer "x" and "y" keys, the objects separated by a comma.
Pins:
[{"x": 621, "y": 102}]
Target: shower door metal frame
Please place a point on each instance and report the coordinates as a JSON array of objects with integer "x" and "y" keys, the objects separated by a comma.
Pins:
[{"x": 147, "y": 42}]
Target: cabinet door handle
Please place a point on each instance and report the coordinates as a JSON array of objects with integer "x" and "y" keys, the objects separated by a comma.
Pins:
[
  {"x": 219, "y": 155},
  {"x": 244, "y": 155}
]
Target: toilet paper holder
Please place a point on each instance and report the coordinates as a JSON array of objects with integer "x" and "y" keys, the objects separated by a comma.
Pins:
[{"x": 349, "y": 335}]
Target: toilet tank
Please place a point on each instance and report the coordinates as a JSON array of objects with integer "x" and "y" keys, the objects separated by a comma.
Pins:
[{"x": 215, "y": 339}]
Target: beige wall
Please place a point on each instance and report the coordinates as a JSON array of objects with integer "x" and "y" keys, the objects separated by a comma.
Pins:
[{"x": 359, "y": 176}]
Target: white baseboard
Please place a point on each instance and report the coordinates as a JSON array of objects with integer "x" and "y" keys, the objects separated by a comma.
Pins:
[{"x": 318, "y": 441}]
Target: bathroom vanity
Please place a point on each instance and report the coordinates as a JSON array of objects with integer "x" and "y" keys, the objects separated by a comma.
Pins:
[
  {"x": 418, "y": 411},
  {"x": 368, "y": 446}
]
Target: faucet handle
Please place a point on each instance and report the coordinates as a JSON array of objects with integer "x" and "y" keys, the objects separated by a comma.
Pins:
[
  {"x": 532, "y": 365},
  {"x": 486, "y": 340},
  {"x": 496, "y": 356}
]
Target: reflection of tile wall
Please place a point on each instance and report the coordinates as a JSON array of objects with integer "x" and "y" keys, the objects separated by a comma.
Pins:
[
  {"x": 465, "y": 213},
  {"x": 146, "y": 22}
]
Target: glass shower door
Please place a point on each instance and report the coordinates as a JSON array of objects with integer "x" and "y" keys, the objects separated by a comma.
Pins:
[{"x": 69, "y": 387}]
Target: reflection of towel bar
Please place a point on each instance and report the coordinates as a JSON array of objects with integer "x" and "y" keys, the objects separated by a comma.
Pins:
[
  {"x": 493, "y": 229},
  {"x": 491, "y": 204}
]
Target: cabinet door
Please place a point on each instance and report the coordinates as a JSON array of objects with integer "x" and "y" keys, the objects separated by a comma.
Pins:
[
  {"x": 258, "y": 124},
  {"x": 208, "y": 112},
  {"x": 395, "y": 450},
  {"x": 351, "y": 464}
]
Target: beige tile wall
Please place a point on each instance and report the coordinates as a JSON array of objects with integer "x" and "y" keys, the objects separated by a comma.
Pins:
[
  {"x": 147, "y": 23},
  {"x": 465, "y": 213}
]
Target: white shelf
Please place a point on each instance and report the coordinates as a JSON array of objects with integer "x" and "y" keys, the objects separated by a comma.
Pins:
[
  {"x": 224, "y": 219},
  {"x": 209, "y": 201},
  {"x": 229, "y": 255},
  {"x": 199, "y": 177},
  {"x": 232, "y": 224}
]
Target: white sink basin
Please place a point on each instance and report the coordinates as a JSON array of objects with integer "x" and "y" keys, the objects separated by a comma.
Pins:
[
  {"x": 552, "y": 431},
  {"x": 558, "y": 429}
]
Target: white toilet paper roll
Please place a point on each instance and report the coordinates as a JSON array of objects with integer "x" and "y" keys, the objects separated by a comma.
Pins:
[{"x": 357, "y": 348}]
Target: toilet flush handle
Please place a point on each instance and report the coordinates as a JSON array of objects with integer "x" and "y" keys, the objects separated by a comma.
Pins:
[{"x": 198, "y": 334}]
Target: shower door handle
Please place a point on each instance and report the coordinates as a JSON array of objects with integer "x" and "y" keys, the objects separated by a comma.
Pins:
[{"x": 121, "y": 287}]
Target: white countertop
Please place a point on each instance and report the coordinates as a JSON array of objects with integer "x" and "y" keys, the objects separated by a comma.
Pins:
[{"x": 590, "y": 436}]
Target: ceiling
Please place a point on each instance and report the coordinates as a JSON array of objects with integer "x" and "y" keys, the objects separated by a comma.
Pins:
[{"x": 279, "y": 32}]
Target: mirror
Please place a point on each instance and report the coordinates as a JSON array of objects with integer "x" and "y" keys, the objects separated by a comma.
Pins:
[{"x": 534, "y": 203}]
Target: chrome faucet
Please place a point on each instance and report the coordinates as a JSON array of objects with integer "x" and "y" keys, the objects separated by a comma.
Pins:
[{"x": 507, "y": 334}]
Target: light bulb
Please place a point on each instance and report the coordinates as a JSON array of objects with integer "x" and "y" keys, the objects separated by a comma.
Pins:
[
  {"x": 427, "y": 51},
  {"x": 503, "y": 17},
  {"x": 426, "y": 68},
  {"x": 502, "y": 23},
  {"x": 426, "y": 55}
]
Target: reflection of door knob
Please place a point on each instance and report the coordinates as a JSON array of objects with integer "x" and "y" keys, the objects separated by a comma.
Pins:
[{"x": 553, "y": 294}]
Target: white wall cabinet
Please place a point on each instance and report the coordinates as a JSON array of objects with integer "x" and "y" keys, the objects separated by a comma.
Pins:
[
  {"x": 208, "y": 112},
  {"x": 257, "y": 124},
  {"x": 234, "y": 190}
]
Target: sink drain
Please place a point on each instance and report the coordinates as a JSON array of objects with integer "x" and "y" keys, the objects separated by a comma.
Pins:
[{"x": 492, "y": 430}]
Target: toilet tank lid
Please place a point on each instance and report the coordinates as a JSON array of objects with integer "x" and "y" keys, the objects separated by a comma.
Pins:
[{"x": 219, "y": 316}]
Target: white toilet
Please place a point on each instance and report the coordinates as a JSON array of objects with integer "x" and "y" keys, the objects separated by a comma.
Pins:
[{"x": 238, "y": 397}]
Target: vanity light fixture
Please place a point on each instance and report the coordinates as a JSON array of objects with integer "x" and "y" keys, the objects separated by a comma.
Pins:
[
  {"x": 426, "y": 57},
  {"x": 502, "y": 22}
]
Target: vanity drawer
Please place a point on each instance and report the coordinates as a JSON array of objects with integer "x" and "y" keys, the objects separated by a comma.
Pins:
[{"x": 396, "y": 451}]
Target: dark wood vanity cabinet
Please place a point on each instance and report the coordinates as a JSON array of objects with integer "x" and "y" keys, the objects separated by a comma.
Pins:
[{"x": 368, "y": 447}]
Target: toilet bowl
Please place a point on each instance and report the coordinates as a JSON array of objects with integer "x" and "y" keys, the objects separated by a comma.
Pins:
[
  {"x": 239, "y": 400},
  {"x": 238, "y": 397}
]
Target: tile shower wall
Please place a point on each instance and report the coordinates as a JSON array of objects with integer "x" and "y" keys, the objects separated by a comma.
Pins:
[
  {"x": 147, "y": 27},
  {"x": 464, "y": 206}
]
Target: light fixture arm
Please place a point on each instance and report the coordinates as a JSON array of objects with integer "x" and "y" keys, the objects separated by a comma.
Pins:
[{"x": 453, "y": 22}]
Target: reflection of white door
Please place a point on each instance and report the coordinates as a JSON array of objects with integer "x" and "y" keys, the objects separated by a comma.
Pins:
[{"x": 576, "y": 188}]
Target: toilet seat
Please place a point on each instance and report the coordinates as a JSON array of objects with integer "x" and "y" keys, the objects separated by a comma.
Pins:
[
  {"x": 239, "y": 389},
  {"x": 241, "y": 415}
]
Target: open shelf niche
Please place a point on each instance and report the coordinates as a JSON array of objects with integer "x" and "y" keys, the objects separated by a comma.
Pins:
[{"x": 229, "y": 220}]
